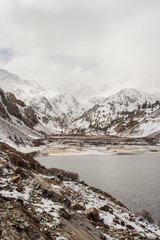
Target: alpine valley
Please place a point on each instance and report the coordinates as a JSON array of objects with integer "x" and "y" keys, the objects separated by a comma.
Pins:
[
  {"x": 128, "y": 113},
  {"x": 48, "y": 203}
]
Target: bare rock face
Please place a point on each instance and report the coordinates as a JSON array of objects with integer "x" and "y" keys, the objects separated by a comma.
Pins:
[
  {"x": 3, "y": 112},
  {"x": 31, "y": 116},
  {"x": 46, "y": 190},
  {"x": 78, "y": 228},
  {"x": 13, "y": 99},
  {"x": 10, "y": 105},
  {"x": 17, "y": 222}
]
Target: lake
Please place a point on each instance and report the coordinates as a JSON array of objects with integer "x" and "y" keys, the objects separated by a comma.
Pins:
[{"x": 132, "y": 179}]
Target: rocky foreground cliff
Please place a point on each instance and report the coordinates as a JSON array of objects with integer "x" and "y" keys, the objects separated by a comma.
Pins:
[{"x": 39, "y": 203}]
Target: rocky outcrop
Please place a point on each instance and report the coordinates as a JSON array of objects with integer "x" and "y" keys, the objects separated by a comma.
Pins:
[
  {"x": 30, "y": 117},
  {"x": 17, "y": 108},
  {"x": 37, "y": 206}
]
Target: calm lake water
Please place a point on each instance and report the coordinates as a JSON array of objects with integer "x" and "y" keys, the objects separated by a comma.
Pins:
[{"x": 132, "y": 179}]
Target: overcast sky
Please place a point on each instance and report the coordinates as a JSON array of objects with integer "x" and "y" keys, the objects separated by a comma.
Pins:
[{"x": 105, "y": 44}]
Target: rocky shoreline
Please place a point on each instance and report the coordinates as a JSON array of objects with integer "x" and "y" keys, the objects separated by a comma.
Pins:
[{"x": 40, "y": 204}]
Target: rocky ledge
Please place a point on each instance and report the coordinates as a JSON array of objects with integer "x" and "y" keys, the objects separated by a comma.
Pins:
[{"x": 35, "y": 204}]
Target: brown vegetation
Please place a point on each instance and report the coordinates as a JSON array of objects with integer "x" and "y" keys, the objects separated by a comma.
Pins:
[
  {"x": 62, "y": 174},
  {"x": 146, "y": 215}
]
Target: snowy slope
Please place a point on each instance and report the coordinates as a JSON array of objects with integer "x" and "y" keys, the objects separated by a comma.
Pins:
[
  {"x": 65, "y": 104},
  {"x": 22, "y": 89},
  {"x": 119, "y": 113},
  {"x": 20, "y": 124},
  {"x": 157, "y": 94},
  {"x": 126, "y": 113},
  {"x": 130, "y": 99},
  {"x": 59, "y": 106},
  {"x": 17, "y": 121},
  {"x": 149, "y": 125}
]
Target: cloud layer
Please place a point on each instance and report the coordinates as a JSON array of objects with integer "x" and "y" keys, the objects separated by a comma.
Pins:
[{"x": 105, "y": 44}]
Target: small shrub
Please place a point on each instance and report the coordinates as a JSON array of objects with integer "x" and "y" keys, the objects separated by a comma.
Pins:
[
  {"x": 146, "y": 215},
  {"x": 62, "y": 174}
]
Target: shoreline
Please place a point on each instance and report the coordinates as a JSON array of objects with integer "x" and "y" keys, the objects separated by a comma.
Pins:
[
  {"x": 91, "y": 145},
  {"x": 62, "y": 150}
]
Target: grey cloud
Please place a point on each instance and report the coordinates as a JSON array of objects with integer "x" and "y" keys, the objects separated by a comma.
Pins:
[
  {"x": 84, "y": 63},
  {"x": 99, "y": 43}
]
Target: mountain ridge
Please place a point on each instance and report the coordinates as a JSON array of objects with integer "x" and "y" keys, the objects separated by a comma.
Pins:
[{"x": 129, "y": 112}]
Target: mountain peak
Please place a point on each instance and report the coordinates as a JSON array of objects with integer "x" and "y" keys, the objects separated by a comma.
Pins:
[{"x": 10, "y": 82}]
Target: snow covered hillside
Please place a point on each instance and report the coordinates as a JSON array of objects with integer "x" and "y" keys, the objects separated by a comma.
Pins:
[
  {"x": 19, "y": 123},
  {"x": 39, "y": 203},
  {"x": 22, "y": 89},
  {"x": 62, "y": 107},
  {"x": 121, "y": 113},
  {"x": 157, "y": 94},
  {"x": 129, "y": 112}
]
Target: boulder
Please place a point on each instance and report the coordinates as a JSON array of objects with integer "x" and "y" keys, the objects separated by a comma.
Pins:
[
  {"x": 92, "y": 213},
  {"x": 20, "y": 189},
  {"x": 17, "y": 170},
  {"x": 129, "y": 227},
  {"x": 52, "y": 194},
  {"x": 15, "y": 179},
  {"x": 20, "y": 199},
  {"x": 78, "y": 206},
  {"x": 116, "y": 220}
]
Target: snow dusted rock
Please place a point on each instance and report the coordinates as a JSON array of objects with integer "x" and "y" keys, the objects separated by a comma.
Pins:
[
  {"x": 92, "y": 213},
  {"x": 27, "y": 214},
  {"x": 15, "y": 179},
  {"x": 20, "y": 124},
  {"x": 78, "y": 205},
  {"x": 17, "y": 170},
  {"x": 17, "y": 121},
  {"x": 106, "y": 208}
]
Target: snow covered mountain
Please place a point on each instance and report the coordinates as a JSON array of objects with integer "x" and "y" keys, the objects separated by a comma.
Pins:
[
  {"x": 157, "y": 94},
  {"x": 20, "y": 124},
  {"x": 61, "y": 107},
  {"x": 120, "y": 113},
  {"x": 127, "y": 113},
  {"x": 22, "y": 89},
  {"x": 17, "y": 121}
]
